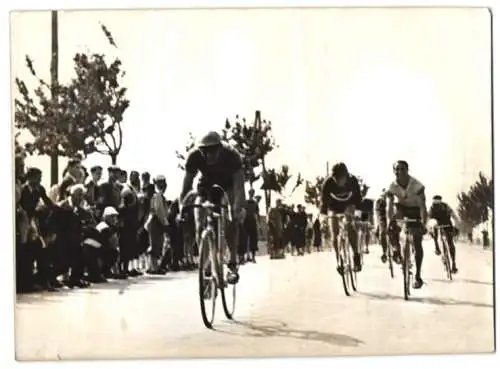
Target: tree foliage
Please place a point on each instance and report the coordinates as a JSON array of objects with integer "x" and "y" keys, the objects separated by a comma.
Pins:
[
  {"x": 312, "y": 193},
  {"x": 253, "y": 141},
  {"x": 80, "y": 117},
  {"x": 474, "y": 204}
]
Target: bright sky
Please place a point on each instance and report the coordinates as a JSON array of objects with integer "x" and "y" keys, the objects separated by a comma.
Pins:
[{"x": 365, "y": 86}]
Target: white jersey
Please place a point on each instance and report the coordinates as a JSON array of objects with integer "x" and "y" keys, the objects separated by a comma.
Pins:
[{"x": 408, "y": 197}]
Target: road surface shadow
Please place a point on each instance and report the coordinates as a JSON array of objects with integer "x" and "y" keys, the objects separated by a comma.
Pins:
[
  {"x": 469, "y": 281},
  {"x": 425, "y": 300},
  {"x": 113, "y": 284},
  {"x": 280, "y": 329}
]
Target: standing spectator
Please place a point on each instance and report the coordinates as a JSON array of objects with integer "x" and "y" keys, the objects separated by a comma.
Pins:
[
  {"x": 128, "y": 233},
  {"x": 299, "y": 230},
  {"x": 317, "y": 234},
  {"x": 122, "y": 179},
  {"x": 250, "y": 226},
  {"x": 146, "y": 180},
  {"x": 93, "y": 185},
  {"x": 309, "y": 233},
  {"x": 157, "y": 222},
  {"x": 275, "y": 236},
  {"x": 72, "y": 175},
  {"x": 135, "y": 181},
  {"x": 109, "y": 192}
]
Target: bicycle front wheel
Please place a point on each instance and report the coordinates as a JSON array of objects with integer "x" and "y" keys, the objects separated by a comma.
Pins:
[
  {"x": 228, "y": 291},
  {"x": 352, "y": 272},
  {"x": 446, "y": 260},
  {"x": 406, "y": 270},
  {"x": 343, "y": 266},
  {"x": 207, "y": 278}
]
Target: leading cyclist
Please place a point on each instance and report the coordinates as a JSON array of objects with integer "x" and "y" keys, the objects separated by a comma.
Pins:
[
  {"x": 407, "y": 195},
  {"x": 341, "y": 193},
  {"x": 219, "y": 164}
]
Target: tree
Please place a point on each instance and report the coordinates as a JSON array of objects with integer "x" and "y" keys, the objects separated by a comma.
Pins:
[
  {"x": 182, "y": 155},
  {"x": 312, "y": 194},
  {"x": 363, "y": 186},
  {"x": 98, "y": 104},
  {"x": 81, "y": 117},
  {"x": 474, "y": 204},
  {"x": 253, "y": 142}
]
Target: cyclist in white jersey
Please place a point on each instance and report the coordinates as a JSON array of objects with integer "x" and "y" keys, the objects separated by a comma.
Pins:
[{"x": 406, "y": 195}]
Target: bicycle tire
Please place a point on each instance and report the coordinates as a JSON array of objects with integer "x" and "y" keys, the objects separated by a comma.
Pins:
[
  {"x": 352, "y": 271},
  {"x": 389, "y": 258},
  {"x": 206, "y": 248},
  {"x": 406, "y": 270},
  {"x": 224, "y": 287},
  {"x": 446, "y": 259},
  {"x": 343, "y": 267}
]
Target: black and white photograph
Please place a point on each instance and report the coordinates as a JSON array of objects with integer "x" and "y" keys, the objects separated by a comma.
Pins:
[{"x": 252, "y": 182}]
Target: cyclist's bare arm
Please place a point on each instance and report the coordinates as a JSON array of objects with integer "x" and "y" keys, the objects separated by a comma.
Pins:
[
  {"x": 390, "y": 205},
  {"x": 454, "y": 216},
  {"x": 187, "y": 184},
  {"x": 423, "y": 207}
]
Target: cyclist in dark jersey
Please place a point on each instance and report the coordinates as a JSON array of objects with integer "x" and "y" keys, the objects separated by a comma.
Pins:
[
  {"x": 220, "y": 165},
  {"x": 442, "y": 213},
  {"x": 341, "y": 193}
]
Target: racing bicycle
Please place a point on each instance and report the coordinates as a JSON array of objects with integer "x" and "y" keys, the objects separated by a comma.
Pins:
[
  {"x": 445, "y": 256},
  {"x": 214, "y": 256}
]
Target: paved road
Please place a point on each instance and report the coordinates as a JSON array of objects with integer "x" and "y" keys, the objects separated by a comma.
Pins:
[{"x": 291, "y": 307}]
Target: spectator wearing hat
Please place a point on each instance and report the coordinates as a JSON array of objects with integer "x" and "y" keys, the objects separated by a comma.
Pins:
[
  {"x": 299, "y": 229},
  {"x": 109, "y": 228},
  {"x": 157, "y": 222}
]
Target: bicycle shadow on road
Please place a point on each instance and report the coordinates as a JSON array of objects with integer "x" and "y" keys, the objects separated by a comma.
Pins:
[
  {"x": 280, "y": 329},
  {"x": 460, "y": 280},
  {"x": 425, "y": 300}
]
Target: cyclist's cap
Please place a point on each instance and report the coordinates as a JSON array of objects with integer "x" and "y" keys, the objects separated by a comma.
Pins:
[
  {"x": 210, "y": 139},
  {"x": 114, "y": 169},
  {"x": 437, "y": 198},
  {"x": 339, "y": 170}
]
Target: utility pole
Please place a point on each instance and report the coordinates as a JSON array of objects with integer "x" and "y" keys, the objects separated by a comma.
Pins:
[{"x": 54, "y": 66}]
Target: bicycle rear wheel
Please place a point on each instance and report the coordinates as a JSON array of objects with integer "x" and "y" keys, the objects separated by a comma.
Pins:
[
  {"x": 228, "y": 291},
  {"x": 206, "y": 278},
  {"x": 389, "y": 258}
]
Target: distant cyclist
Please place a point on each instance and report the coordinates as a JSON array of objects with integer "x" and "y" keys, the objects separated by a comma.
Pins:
[
  {"x": 443, "y": 214},
  {"x": 219, "y": 164},
  {"x": 406, "y": 195},
  {"x": 341, "y": 194},
  {"x": 381, "y": 216}
]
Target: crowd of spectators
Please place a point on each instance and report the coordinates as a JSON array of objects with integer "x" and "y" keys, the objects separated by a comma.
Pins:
[{"x": 88, "y": 230}]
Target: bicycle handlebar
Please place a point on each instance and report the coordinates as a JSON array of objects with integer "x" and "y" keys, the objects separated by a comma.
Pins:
[{"x": 209, "y": 205}]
